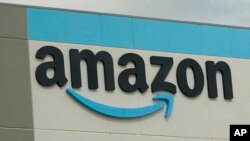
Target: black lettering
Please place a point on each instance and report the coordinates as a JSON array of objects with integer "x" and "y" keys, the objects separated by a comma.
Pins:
[
  {"x": 138, "y": 72},
  {"x": 91, "y": 60},
  {"x": 159, "y": 83},
  {"x": 57, "y": 65},
  {"x": 182, "y": 77},
  {"x": 225, "y": 71}
]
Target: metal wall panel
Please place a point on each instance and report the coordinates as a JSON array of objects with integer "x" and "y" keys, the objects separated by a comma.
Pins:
[{"x": 13, "y": 22}]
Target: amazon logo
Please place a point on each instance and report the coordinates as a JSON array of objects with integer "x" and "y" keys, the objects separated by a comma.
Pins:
[{"x": 158, "y": 84}]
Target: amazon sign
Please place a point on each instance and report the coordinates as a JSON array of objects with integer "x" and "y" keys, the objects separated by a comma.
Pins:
[
  {"x": 109, "y": 53},
  {"x": 159, "y": 83}
]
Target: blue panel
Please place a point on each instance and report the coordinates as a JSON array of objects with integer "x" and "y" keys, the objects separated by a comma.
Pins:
[
  {"x": 60, "y": 26},
  {"x": 240, "y": 43},
  {"x": 151, "y": 34},
  {"x": 167, "y": 36},
  {"x": 215, "y": 40},
  {"x": 117, "y": 31},
  {"x": 137, "y": 33}
]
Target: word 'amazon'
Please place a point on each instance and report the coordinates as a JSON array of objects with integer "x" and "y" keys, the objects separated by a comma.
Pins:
[{"x": 159, "y": 82}]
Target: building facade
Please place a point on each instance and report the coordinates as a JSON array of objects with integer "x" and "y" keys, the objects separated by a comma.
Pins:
[{"x": 93, "y": 74}]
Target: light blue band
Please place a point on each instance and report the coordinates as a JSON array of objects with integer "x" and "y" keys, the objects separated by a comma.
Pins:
[{"x": 137, "y": 33}]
